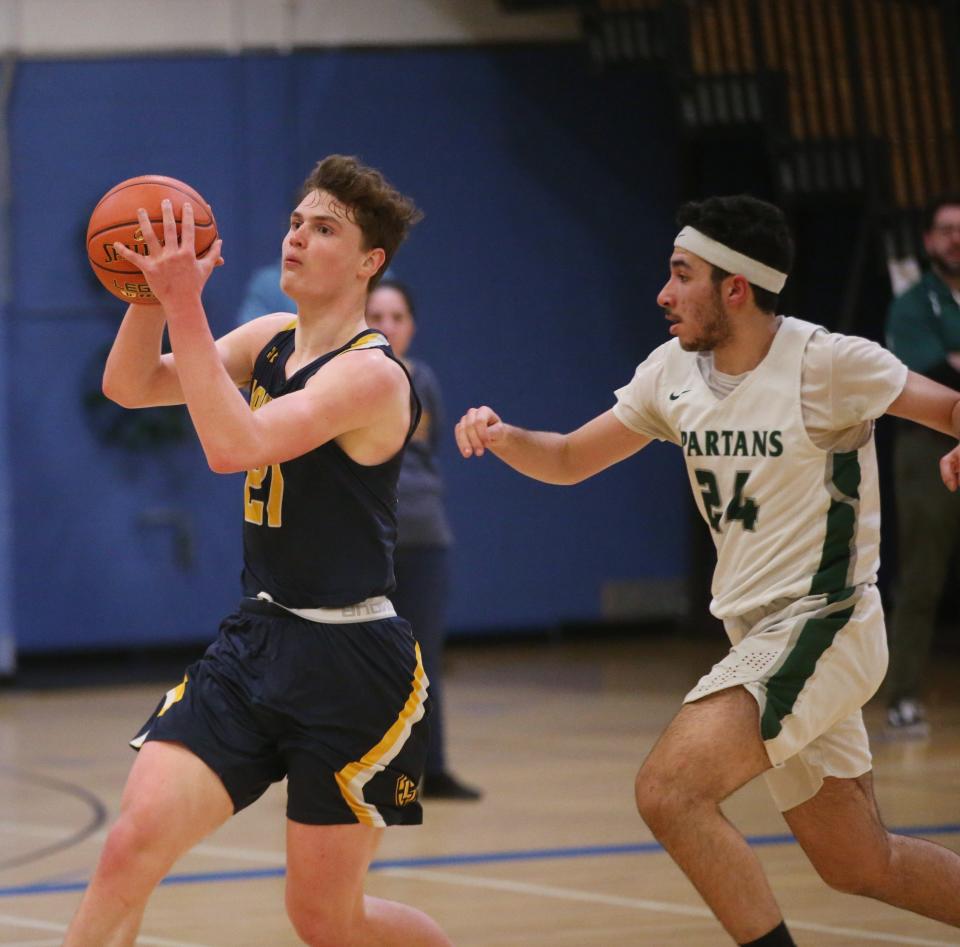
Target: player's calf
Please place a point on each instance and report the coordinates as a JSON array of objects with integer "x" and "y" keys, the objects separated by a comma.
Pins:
[{"x": 846, "y": 871}]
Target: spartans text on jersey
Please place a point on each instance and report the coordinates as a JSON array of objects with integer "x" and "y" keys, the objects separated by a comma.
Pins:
[{"x": 731, "y": 443}]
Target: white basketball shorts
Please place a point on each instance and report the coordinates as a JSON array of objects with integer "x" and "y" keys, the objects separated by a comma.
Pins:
[{"x": 811, "y": 664}]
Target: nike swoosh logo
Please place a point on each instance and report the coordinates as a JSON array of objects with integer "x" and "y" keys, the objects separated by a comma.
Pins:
[{"x": 675, "y": 395}]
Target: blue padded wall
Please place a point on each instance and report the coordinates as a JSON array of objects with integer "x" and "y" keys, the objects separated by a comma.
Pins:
[{"x": 549, "y": 194}]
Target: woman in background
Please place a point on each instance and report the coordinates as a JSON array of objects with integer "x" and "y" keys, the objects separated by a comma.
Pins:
[{"x": 422, "y": 555}]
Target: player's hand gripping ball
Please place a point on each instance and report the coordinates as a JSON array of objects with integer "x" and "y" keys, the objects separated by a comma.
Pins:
[{"x": 114, "y": 219}]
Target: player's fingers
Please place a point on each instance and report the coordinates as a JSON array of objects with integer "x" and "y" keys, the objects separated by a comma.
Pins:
[
  {"x": 950, "y": 470},
  {"x": 169, "y": 224},
  {"x": 473, "y": 428},
  {"x": 488, "y": 424},
  {"x": 212, "y": 258},
  {"x": 127, "y": 254},
  {"x": 463, "y": 443},
  {"x": 147, "y": 232},
  {"x": 493, "y": 425},
  {"x": 186, "y": 227}
]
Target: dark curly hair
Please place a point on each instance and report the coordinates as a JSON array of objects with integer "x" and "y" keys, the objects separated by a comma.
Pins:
[
  {"x": 382, "y": 213},
  {"x": 746, "y": 224}
]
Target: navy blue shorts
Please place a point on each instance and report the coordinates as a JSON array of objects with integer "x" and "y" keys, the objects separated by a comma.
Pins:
[{"x": 339, "y": 710}]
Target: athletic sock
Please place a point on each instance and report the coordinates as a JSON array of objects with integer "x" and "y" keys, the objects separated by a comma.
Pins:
[{"x": 778, "y": 937}]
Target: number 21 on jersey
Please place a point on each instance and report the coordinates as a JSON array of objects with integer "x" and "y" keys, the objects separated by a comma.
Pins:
[{"x": 253, "y": 509}]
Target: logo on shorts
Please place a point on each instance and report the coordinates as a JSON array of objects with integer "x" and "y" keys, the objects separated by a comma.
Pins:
[{"x": 406, "y": 791}]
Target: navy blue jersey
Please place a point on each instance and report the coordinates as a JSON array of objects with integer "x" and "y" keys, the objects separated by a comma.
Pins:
[{"x": 319, "y": 530}]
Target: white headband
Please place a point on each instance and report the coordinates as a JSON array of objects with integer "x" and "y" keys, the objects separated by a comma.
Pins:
[{"x": 719, "y": 254}]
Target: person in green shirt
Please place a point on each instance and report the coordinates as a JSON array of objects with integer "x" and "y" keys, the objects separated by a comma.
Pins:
[{"x": 923, "y": 330}]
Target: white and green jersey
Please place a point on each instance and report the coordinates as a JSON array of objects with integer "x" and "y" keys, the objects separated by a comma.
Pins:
[{"x": 783, "y": 467}]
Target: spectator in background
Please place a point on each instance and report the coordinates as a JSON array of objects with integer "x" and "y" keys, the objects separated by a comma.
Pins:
[
  {"x": 263, "y": 294},
  {"x": 923, "y": 330},
  {"x": 421, "y": 559}
]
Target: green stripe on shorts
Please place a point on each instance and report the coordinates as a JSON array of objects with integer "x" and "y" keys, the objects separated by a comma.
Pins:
[
  {"x": 784, "y": 686},
  {"x": 831, "y": 580}
]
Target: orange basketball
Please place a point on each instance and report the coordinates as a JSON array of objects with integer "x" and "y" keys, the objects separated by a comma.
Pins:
[{"x": 114, "y": 219}]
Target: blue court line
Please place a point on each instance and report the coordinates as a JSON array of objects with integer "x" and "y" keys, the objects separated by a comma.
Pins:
[{"x": 437, "y": 861}]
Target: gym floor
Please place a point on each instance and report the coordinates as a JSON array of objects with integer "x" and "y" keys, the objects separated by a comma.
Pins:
[{"x": 554, "y": 854}]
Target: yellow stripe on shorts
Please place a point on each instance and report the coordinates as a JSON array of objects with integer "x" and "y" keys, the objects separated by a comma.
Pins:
[
  {"x": 354, "y": 776},
  {"x": 173, "y": 695},
  {"x": 170, "y": 698}
]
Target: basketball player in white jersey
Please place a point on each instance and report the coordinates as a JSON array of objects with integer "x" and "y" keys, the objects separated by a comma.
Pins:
[{"x": 775, "y": 420}]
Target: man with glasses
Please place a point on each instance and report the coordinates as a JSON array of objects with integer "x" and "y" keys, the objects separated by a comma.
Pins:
[{"x": 923, "y": 330}]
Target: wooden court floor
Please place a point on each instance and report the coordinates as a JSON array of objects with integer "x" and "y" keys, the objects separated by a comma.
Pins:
[{"x": 553, "y": 855}]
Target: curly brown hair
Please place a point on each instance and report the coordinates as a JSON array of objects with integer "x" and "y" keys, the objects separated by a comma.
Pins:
[{"x": 382, "y": 213}]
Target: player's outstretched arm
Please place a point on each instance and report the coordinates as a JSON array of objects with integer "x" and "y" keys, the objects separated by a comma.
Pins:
[
  {"x": 935, "y": 406},
  {"x": 552, "y": 458}
]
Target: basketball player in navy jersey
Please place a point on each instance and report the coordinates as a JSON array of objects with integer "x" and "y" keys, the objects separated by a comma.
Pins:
[
  {"x": 313, "y": 678},
  {"x": 774, "y": 417}
]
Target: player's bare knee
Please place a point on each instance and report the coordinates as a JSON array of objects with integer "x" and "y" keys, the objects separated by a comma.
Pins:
[
  {"x": 661, "y": 799},
  {"x": 849, "y": 880},
  {"x": 319, "y": 923},
  {"x": 129, "y": 838},
  {"x": 644, "y": 793},
  {"x": 317, "y": 931}
]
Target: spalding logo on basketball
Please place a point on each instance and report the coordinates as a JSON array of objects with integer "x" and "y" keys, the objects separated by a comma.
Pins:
[{"x": 114, "y": 220}]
